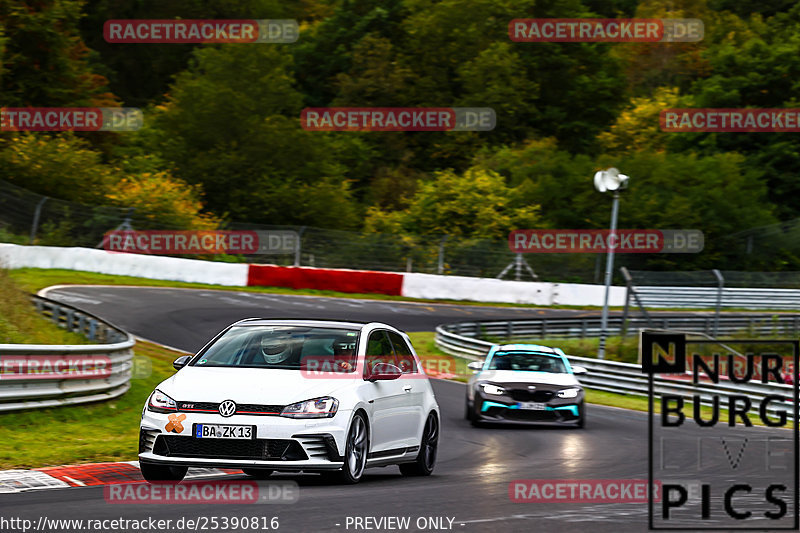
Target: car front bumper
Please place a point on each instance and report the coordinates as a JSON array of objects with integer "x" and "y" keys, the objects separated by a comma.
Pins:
[
  {"x": 506, "y": 410},
  {"x": 280, "y": 443}
]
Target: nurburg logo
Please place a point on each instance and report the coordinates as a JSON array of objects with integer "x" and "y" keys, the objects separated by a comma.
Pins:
[{"x": 227, "y": 408}]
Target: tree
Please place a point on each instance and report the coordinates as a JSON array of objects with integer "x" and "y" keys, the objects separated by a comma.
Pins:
[
  {"x": 474, "y": 204},
  {"x": 60, "y": 166},
  {"x": 164, "y": 200},
  {"x": 43, "y": 60},
  {"x": 232, "y": 125}
]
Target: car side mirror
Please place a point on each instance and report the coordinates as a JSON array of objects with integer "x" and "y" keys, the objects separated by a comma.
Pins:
[
  {"x": 181, "y": 361},
  {"x": 475, "y": 366},
  {"x": 579, "y": 370},
  {"x": 383, "y": 372}
]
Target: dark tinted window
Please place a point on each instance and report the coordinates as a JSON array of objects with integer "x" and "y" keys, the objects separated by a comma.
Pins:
[
  {"x": 527, "y": 362},
  {"x": 379, "y": 349},
  {"x": 405, "y": 358}
]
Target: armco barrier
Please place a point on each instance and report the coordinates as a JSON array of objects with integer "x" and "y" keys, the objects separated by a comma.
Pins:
[
  {"x": 39, "y": 392},
  {"x": 612, "y": 376}
]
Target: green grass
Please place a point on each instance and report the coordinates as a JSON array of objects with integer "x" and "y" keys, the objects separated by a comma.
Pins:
[{"x": 21, "y": 323}]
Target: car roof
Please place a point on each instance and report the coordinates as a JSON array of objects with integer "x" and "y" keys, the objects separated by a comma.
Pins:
[
  {"x": 528, "y": 348},
  {"x": 306, "y": 322}
]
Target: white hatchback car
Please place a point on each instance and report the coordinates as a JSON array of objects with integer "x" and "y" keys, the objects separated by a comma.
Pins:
[{"x": 293, "y": 396}]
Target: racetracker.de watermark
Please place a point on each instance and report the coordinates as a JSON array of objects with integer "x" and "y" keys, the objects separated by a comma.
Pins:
[
  {"x": 625, "y": 241},
  {"x": 54, "y": 367},
  {"x": 398, "y": 119},
  {"x": 605, "y": 30},
  {"x": 201, "y": 31},
  {"x": 344, "y": 367},
  {"x": 156, "y": 242},
  {"x": 203, "y": 492},
  {"x": 730, "y": 120},
  {"x": 580, "y": 490},
  {"x": 70, "y": 118}
]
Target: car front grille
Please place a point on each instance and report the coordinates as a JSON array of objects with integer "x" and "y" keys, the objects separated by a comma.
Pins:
[
  {"x": 523, "y": 395},
  {"x": 241, "y": 408},
  {"x": 256, "y": 449},
  {"x": 147, "y": 438}
]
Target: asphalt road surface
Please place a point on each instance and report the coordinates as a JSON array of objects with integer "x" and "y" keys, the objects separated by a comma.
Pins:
[{"x": 475, "y": 465}]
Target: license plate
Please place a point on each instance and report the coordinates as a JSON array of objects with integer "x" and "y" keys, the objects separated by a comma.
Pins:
[
  {"x": 223, "y": 431},
  {"x": 533, "y": 406}
]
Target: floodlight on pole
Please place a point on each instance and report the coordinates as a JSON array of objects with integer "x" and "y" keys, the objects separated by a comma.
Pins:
[{"x": 609, "y": 180}]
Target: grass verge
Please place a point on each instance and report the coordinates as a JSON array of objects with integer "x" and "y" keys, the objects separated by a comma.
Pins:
[{"x": 20, "y": 323}]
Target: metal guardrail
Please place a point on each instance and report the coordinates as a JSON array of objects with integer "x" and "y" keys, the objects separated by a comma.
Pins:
[
  {"x": 613, "y": 376},
  {"x": 590, "y": 326},
  {"x": 727, "y": 298},
  {"x": 707, "y": 290},
  {"x": 40, "y": 392}
]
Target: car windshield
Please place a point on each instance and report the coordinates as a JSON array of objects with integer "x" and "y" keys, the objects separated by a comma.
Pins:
[
  {"x": 283, "y": 347},
  {"x": 527, "y": 362}
]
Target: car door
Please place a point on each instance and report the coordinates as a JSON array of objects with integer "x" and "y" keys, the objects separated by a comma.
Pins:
[
  {"x": 413, "y": 385},
  {"x": 387, "y": 397}
]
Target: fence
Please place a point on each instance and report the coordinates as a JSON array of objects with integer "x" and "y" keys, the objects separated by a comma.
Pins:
[
  {"x": 712, "y": 289},
  {"x": 611, "y": 376},
  {"x": 35, "y": 391}
]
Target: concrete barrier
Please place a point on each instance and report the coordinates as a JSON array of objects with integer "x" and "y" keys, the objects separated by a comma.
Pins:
[
  {"x": 122, "y": 264},
  {"x": 412, "y": 285}
]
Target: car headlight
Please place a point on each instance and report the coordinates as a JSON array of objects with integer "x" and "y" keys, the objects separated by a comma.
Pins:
[
  {"x": 488, "y": 388},
  {"x": 161, "y": 403},
  {"x": 569, "y": 393},
  {"x": 317, "y": 408}
]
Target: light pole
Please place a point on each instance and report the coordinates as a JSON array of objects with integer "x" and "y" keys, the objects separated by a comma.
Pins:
[{"x": 609, "y": 180}]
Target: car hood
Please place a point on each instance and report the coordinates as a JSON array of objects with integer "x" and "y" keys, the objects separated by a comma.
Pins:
[
  {"x": 251, "y": 385},
  {"x": 519, "y": 376}
]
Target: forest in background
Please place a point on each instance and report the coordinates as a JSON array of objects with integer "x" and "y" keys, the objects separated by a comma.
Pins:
[{"x": 222, "y": 139}]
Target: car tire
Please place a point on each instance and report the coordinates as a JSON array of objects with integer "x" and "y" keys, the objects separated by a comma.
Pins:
[
  {"x": 355, "y": 452},
  {"x": 468, "y": 411},
  {"x": 153, "y": 473},
  {"x": 581, "y": 416},
  {"x": 257, "y": 473},
  {"x": 429, "y": 446},
  {"x": 475, "y": 419}
]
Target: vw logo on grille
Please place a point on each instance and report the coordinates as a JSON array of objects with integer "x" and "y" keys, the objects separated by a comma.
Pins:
[{"x": 227, "y": 408}]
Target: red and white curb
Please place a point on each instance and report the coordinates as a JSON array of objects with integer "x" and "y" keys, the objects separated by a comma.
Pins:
[{"x": 88, "y": 475}]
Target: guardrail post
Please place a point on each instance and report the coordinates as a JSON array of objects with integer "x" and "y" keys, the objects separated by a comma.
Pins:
[
  {"x": 510, "y": 330},
  {"x": 298, "y": 246},
  {"x": 92, "y": 329},
  {"x": 720, "y": 287},
  {"x": 440, "y": 265},
  {"x": 627, "y": 302},
  {"x": 36, "y": 215},
  {"x": 56, "y": 314}
]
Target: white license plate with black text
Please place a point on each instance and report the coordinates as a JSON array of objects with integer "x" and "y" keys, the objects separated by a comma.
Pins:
[
  {"x": 533, "y": 406},
  {"x": 223, "y": 431}
]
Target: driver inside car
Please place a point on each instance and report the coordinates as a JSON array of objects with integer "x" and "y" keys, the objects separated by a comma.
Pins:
[
  {"x": 276, "y": 350},
  {"x": 343, "y": 352}
]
